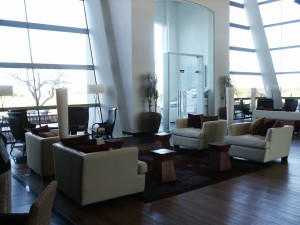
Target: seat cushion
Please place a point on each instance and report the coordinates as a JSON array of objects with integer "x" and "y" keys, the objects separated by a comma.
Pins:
[
  {"x": 248, "y": 140},
  {"x": 188, "y": 132}
]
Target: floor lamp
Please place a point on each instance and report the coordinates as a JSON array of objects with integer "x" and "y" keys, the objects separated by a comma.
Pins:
[{"x": 96, "y": 89}]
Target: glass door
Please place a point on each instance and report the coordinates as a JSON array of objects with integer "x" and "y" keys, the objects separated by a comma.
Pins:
[{"x": 184, "y": 87}]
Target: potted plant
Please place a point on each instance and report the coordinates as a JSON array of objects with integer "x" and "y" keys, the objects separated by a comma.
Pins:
[
  {"x": 151, "y": 118},
  {"x": 226, "y": 84}
]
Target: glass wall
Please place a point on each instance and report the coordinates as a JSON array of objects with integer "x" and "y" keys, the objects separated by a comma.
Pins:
[
  {"x": 281, "y": 20},
  {"x": 44, "y": 45}
]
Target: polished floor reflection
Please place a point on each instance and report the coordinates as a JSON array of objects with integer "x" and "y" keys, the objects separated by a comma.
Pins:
[{"x": 267, "y": 196}]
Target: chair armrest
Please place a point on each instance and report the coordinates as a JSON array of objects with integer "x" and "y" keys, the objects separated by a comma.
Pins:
[
  {"x": 214, "y": 130},
  {"x": 280, "y": 137},
  {"x": 142, "y": 167},
  {"x": 236, "y": 129},
  {"x": 181, "y": 123}
]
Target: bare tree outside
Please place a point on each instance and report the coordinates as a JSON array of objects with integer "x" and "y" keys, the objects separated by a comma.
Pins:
[{"x": 42, "y": 90}]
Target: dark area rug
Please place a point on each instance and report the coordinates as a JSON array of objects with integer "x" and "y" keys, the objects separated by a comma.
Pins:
[{"x": 192, "y": 172}]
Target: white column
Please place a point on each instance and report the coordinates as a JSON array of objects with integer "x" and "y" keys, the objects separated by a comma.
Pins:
[
  {"x": 62, "y": 112},
  {"x": 263, "y": 52},
  {"x": 253, "y": 96},
  {"x": 230, "y": 104}
]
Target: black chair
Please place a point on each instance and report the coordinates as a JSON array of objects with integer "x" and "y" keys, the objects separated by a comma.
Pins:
[
  {"x": 106, "y": 128},
  {"x": 290, "y": 104},
  {"x": 17, "y": 131},
  {"x": 78, "y": 119},
  {"x": 22, "y": 113}
]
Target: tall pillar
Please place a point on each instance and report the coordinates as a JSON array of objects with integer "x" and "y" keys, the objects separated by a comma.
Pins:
[{"x": 263, "y": 52}]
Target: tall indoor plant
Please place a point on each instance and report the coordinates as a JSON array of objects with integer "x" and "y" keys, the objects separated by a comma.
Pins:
[{"x": 151, "y": 118}]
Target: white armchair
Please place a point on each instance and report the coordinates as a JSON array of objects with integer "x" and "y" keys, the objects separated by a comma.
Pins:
[
  {"x": 98, "y": 176},
  {"x": 196, "y": 138},
  {"x": 39, "y": 153},
  {"x": 276, "y": 144}
]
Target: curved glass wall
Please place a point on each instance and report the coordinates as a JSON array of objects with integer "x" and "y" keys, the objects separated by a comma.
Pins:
[{"x": 184, "y": 58}]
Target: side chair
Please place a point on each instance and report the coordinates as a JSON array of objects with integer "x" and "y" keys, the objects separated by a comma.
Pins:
[
  {"x": 18, "y": 132},
  {"x": 106, "y": 128},
  {"x": 78, "y": 119},
  {"x": 40, "y": 210}
]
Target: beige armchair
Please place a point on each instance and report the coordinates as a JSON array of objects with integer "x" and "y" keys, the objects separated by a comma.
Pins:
[
  {"x": 197, "y": 138},
  {"x": 98, "y": 176},
  {"x": 39, "y": 153},
  {"x": 276, "y": 144}
]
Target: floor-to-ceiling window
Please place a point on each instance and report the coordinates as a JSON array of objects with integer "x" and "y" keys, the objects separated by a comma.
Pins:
[
  {"x": 281, "y": 22},
  {"x": 44, "y": 45}
]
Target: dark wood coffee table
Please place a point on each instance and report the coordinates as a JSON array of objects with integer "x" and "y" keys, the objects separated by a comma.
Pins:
[
  {"x": 162, "y": 140},
  {"x": 163, "y": 165},
  {"x": 219, "y": 156}
]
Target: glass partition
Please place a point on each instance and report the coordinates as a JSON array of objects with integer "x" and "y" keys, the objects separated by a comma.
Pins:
[{"x": 184, "y": 40}]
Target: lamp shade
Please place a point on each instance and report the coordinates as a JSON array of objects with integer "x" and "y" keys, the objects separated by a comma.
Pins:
[
  {"x": 6, "y": 90},
  {"x": 95, "y": 88}
]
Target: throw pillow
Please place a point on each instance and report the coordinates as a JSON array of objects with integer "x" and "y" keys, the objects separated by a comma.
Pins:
[
  {"x": 268, "y": 123},
  {"x": 72, "y": 142},
  {"x": 194, "y": 120},
  {"x": 40, "y": 129},
  {"x": 208, "y": 118},
  {"x": 256, "y": 126},
  {"x": 92, "y": 148},
  {"x": 46, "y": 134},
  {"x": 277, "y": 124}
]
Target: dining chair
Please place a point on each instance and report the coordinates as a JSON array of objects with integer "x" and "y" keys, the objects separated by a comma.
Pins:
[
  {"x": 78, "y": 119},
  {"x": 18, "y": 132}
]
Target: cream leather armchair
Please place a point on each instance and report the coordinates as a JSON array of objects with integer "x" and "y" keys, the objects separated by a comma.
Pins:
[
  {"x": 276, "y": 144},
  {"x": 196, "y": 138},
  {"x": 98, "y": 176}
]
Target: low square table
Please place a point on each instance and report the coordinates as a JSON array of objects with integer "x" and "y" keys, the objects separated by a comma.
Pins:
[
  {"x": 162, "y": 140},
  {"x": 163, "y": 166},
  {"x": 219, "y": 156}
]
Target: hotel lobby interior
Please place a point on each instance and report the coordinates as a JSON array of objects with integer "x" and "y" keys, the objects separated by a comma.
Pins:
[{"x": 211, "y": 60}]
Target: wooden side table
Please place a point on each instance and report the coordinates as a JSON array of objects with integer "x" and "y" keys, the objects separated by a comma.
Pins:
[
  {"x": 162, "y": 140},
  {"x": 219, "y": 156},
  {"x": 115, "y": 143},
  {"x": 163, "y": 166}
]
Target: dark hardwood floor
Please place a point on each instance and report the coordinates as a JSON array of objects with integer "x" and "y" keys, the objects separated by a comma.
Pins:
[{"x": 268, "y": 196}]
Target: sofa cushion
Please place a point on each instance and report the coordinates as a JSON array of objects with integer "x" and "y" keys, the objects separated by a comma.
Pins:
[
  {"x": 208, "y": 118},
  {"x": 268, "y": 123},
  {"x": 188, "y": 132},
  {"x": 92, "y": 148},
  {"x": 248, "y": 140},
  {"x": 256, "y": 126},
  {"x": 194, "y": 120}
]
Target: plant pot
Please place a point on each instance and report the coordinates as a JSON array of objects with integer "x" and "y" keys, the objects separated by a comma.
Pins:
[{"x": 151, "y": 121}]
